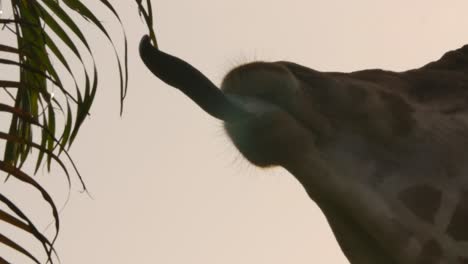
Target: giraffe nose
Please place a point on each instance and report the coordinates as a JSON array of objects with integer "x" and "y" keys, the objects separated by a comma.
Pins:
[{"x": 183, "y": 76}]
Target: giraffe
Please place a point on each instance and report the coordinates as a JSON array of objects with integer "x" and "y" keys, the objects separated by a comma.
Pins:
[{"x": 382, "y": 153}]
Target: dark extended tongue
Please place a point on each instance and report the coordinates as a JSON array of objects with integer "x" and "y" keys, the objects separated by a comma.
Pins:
[{"x": 183, "y": 76}]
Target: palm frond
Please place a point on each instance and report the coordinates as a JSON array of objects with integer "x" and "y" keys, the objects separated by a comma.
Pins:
[{"x": 48, "y": 38}]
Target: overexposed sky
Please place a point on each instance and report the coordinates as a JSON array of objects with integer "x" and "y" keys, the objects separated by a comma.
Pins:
[{"x": 168, "y": 186}]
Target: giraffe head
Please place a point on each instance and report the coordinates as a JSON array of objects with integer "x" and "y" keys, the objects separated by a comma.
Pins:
[
  {"x": 376, "y": 152},
  {"x": 390, "y": 167}
]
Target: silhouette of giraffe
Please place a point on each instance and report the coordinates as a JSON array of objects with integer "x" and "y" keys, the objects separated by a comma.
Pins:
[{"x": 384, "y": 154}]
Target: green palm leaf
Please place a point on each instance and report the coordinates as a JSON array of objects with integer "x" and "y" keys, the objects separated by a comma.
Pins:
[{"x": 43, "y": 30}]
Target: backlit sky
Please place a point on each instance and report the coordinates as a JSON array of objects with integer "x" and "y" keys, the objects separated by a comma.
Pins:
[{"x": 168, "y": 187}]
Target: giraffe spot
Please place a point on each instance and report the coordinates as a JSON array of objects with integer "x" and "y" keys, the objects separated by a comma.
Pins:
[
  {"x": 422, "y": 200},
  {"x": 457, "y": 228},
  {"x": 431, "y": 252}
]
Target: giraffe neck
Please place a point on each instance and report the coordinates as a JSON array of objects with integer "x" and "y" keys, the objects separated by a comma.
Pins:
[{"x": 418, "y": 180}]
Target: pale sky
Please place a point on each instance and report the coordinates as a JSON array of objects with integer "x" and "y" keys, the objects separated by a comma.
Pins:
[{"x": 168, "y": 186}]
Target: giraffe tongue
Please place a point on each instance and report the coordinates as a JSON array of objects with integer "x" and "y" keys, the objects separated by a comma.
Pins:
[{"x": 183, "y": 76}]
